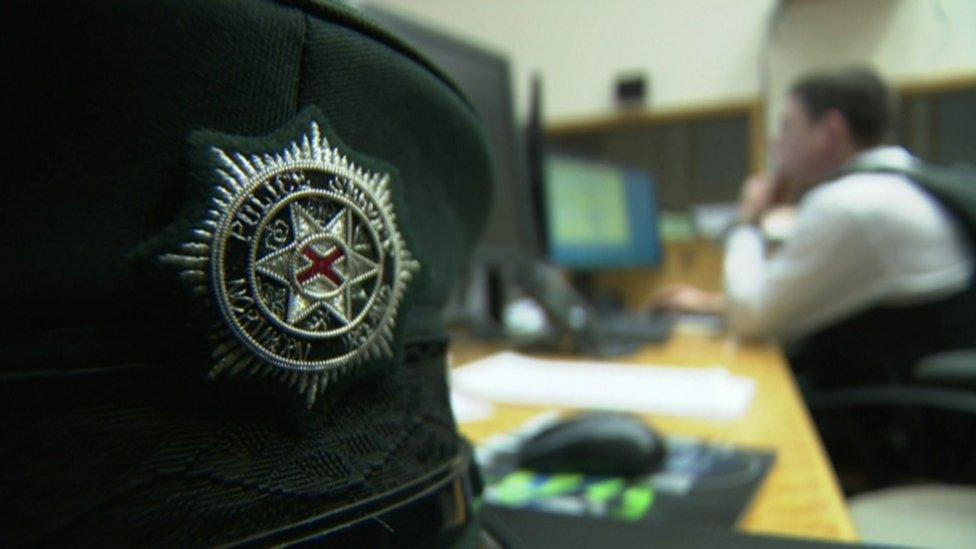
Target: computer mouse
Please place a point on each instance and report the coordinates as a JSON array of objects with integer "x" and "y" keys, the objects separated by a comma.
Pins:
[{"x": 595, "y": 443}]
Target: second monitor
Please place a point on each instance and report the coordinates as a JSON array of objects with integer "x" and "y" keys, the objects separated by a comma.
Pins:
[{"x": 598, "y": 215}]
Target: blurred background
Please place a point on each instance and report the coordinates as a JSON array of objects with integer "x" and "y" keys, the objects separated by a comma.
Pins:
[
  {"x": 689, "y": 92},
  {"x": 622, "y": 132}
]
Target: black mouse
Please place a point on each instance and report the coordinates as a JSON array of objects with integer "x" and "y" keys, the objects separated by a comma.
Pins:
[{"x": 595, "y": 443}]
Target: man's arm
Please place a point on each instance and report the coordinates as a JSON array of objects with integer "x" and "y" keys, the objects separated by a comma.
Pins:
[
  {"x": 688, "y": 299},
  {"x": 759, "y": 193},
  {"x": 826, "y": 271}
]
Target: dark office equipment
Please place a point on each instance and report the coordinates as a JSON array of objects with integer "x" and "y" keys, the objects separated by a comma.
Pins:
[
  {"x": 485, "y": 78},
  {"x": 595, "y": 443},
  {"x": 591, "y": 215},
  {"x": 513, "y": 241},
  {"x": 511, "y": 235},
  {"x": 523, "y": 528},
  {"x": 592, "y": 332},
  {"x": 690, "y": 481},
  {"x": 599, "y": 215},
  {"x": 631, "y": 90},
  {"x": 535, "y": 150}
]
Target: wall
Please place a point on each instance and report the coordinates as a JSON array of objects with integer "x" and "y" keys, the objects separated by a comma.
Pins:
[
  {"x": 702, "y": 51},
  {"x": 905, "y": 40},
  {"x": 695, "y": 51}
]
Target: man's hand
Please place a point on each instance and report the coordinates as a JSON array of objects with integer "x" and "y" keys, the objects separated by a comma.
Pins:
[
  {"x": 687, "y": 299},
  {"x": 759, "y": 194}
]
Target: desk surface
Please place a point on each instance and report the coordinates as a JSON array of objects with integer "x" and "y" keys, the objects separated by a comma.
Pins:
[{"x": 800, "y": 497}]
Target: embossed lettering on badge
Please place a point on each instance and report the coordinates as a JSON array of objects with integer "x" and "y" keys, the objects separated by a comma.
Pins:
[{"x": 301, "y": 254}]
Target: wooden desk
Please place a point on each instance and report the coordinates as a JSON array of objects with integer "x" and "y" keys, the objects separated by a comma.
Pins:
[{"x": 800, "y": 497}]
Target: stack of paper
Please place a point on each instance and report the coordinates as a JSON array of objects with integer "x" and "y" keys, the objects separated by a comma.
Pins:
[
  {"x": 704, "y": 393},
  {"x": 468, "y": 408}
]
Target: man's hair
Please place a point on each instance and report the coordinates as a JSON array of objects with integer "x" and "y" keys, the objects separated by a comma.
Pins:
[{"x": 859, "y": 94}]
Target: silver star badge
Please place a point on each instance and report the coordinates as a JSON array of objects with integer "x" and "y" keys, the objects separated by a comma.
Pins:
[{"x": 302, "y": 256}]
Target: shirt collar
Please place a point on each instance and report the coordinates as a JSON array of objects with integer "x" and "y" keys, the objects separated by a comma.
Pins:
[{"x": 888, "y": 155}]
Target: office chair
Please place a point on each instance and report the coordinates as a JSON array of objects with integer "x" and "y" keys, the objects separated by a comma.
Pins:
[
  {"x": 894, "y": 434},
  {"x": 904, "y": 452}
]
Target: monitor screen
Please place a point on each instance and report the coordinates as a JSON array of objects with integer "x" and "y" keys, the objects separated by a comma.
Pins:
[
  {"x": 484, "y": 77},
  {"x": 599, "y": 215}
]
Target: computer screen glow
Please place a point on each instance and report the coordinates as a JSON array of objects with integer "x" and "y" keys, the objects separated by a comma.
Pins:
[{"x": 600, "y": 215}]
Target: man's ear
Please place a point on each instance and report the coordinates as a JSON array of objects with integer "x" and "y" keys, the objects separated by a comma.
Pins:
[{"x": 838, "y": 130}]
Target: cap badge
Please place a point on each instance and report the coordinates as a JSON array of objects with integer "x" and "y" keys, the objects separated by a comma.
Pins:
[{"x": 301, "y": 254}]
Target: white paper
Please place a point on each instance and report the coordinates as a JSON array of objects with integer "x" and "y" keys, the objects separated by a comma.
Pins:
[
  {"x": 468, "y": 408},
  {"x": 701, "y": 393}
]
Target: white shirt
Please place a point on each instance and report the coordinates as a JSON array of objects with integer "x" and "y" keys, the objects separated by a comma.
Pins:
[{"x": 860, "y": 241}]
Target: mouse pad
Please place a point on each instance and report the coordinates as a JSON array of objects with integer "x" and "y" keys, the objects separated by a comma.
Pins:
[{"x": 697, "y": 482}]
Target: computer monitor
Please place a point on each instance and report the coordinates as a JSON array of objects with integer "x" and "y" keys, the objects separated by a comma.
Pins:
[
  {"x": 484, "y": 77},
  {"x": 598, "y": 215}
]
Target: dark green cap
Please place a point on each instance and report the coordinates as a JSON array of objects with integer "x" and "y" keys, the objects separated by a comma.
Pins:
[{"x": 231, "y": 227}]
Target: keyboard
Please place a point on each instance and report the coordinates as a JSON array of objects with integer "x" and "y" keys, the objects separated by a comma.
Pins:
[
  {"x": 637, "y": 327},
  {"x": 623, "y": 333}
]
